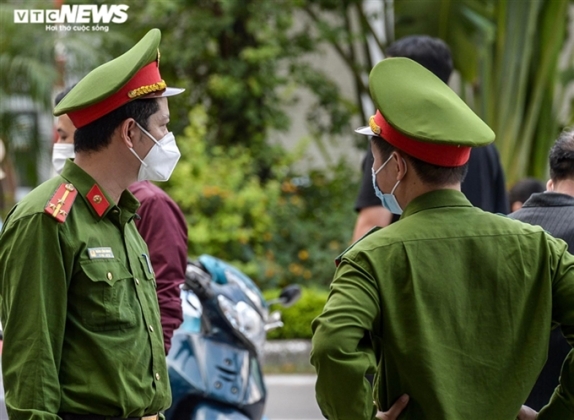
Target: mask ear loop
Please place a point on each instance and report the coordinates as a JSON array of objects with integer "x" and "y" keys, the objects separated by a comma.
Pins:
[
  {"x": 147, "y": 134},
  {"x": 131, "y": 149},
  {"x": 383, "y": 165}
]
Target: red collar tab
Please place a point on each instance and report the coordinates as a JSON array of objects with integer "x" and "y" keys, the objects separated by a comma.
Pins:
[
  {"x": 61, "y": 202},
  {"x": 97, "y": 200},
  {"x": 437, "y": 154},
  {"x": 146, "y": 81}
]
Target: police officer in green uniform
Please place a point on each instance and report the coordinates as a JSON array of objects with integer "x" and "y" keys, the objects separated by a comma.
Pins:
[
  {"x": 82, "y": 332},
  {"x": 459, "y": 302}
]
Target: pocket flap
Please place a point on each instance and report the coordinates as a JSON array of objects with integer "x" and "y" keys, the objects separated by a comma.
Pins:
[
  {"x": 147, "y": 267},
  {"x": 107, "y": 271}
]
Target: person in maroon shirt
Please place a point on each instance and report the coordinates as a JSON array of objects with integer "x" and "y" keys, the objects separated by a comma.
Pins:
[{"x": 164, "y": 230}]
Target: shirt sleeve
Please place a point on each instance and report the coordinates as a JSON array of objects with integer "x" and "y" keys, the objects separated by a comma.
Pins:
[
  {"x": 561, "y": 405},
  {"x": 164, "y": 230},
  {"x": 33, "y": 286},
  {"x": 351, "y": 311}
]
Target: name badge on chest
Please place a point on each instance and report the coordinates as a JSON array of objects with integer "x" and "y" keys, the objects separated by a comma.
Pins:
[{"x": 101, "y": 252}]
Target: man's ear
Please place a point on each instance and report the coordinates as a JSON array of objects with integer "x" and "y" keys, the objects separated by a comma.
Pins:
[
  {"x": 127, "y": 131},
  {"x": 550, "y": 185},
  {"x": 401, "y": 165}
]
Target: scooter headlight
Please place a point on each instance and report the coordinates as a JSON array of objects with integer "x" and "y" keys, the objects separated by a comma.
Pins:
[
  {"x": 244, "y": 319},
  {"x": 254, "y": 297}
]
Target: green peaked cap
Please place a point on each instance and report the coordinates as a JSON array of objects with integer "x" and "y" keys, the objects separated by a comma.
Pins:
[
  {"x": 419, "y": 105},
  {"x": 117, "y": 82}
]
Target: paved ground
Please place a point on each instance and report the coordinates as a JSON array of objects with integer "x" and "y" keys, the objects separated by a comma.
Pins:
[{"x": 291, "y": 397}]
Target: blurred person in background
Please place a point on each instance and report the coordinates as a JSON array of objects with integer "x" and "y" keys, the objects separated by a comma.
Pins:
[
  {"x": 553, "y": 210},
  {"x": 522, "y": 190},
  {"x": 484, "y": 184},
  {"x": 63, "y": 148}
]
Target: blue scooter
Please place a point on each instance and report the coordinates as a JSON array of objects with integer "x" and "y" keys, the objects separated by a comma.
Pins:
[{"x": 215, "y": 360}]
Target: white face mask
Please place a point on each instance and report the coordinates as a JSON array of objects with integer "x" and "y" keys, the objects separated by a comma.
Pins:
[
  {"x": 160, "y": 161},
  {"x": 61, "y": 152}
]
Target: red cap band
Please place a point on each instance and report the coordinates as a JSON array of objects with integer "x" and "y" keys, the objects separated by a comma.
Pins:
[
  {"x": 437, "y": 154},
  {"x": 146, "y": 80}
]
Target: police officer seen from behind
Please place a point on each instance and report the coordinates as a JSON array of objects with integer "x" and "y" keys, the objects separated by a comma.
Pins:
[
  {"x": 82, "y": 331},
  {"x": 459, "y": 302},
  {"x": 484, "y": 185}
]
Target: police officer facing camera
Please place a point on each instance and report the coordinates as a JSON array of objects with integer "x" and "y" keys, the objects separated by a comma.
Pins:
[{"x": 82, "y": 332}]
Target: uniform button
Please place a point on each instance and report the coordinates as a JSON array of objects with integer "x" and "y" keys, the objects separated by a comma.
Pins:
[
  {"x": 137, "y": 282},
  {"x": 157, "y": 376},
  {"x": 110, "y": 276},
  {"x": 151, "y": 328}
]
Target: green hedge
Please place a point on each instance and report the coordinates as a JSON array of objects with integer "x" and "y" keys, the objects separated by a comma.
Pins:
[{"x": 298, "y": 318}]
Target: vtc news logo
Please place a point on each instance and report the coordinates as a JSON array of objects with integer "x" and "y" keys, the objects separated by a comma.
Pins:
[{"x": 82, "y": 14}]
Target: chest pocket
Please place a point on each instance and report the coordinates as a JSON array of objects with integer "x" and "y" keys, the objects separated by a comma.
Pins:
[{"x": 109, "y": 299}]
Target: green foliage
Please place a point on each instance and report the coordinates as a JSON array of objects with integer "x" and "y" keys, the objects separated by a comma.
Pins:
[
  {"x": 298, "y": 318},
  {"x": 35, "y": 64},
  {"x": 285, "y": 230},
  {"x": 508, "y": 54},
  {"x": 224, "y": 201},
  {"x": 26, "y": 58},
  {"x": 241, "y": 61},
  {"x": 352, "y": 28},
  {"x": 314, "y": 220}
]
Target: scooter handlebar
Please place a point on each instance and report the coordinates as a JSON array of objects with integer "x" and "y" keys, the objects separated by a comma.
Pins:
[{"x": 198, "y": 280}]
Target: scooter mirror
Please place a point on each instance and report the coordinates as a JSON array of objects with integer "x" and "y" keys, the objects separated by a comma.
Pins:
[{"x": 289, "y": 295}]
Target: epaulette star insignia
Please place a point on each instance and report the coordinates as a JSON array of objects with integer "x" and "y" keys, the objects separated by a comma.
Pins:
[{"x": 61, "y": 202}]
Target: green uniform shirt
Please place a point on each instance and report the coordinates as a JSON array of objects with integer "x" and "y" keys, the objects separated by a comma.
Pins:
[
  {"x": 82, "y": 330},
  {"x": 459, "y": 304}
]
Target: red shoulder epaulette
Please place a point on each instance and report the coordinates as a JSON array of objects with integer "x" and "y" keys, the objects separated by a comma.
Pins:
[
  {"x": 61, "y": 202},
  {"x": 97, "y": 200}
]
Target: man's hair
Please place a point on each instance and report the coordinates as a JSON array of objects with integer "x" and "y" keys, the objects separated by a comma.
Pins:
[
  {"x": 428, "y": 173},
  {"x": 562, "y": 157},
  {"x": 63, "y": 93},
  {"x": 98, "y": 134},
  {"x": 523, "y": 189},
  {"x": 432, "y": 53}
]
